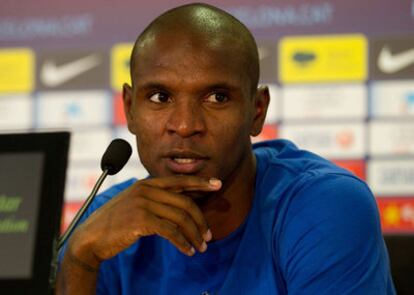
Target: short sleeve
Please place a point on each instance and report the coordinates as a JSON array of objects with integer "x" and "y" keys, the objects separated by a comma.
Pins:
[{"x": 330, "y": 239}]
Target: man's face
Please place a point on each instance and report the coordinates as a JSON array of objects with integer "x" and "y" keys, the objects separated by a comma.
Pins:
[{"x": 191, "y": 107}]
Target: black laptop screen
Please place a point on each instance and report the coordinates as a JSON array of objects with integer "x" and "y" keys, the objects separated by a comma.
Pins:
[
  {"x": 32, "y": 178},
  {"x": 18, "y": 212}
]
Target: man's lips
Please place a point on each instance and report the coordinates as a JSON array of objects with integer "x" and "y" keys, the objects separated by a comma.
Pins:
[{"x": 184, "y": 161}]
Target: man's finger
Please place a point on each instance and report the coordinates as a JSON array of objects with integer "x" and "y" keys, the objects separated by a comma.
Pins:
[
  {"x": 182, "y": 183},
  {"x": 179, "y": 217},
  {"x": 179, "y": 201},
  {"x": 170, "y": 232}
]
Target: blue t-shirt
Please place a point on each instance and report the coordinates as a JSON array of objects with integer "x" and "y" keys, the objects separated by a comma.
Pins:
[{"x": 313, "y": 229}]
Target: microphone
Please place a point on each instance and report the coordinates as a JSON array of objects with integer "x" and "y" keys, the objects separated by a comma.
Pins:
[
  {"x": 116, "y": 156},
  {"x": 113, "y": 160}
]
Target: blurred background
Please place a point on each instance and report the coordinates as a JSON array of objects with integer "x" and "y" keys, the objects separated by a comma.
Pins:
[{"x": 341, "y": 75}]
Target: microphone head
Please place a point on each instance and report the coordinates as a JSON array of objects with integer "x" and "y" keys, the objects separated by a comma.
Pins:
[{"x": 116, "y": 156}]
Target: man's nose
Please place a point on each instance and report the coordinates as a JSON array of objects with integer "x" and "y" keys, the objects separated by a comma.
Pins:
[{"x": 186, "y": 119}]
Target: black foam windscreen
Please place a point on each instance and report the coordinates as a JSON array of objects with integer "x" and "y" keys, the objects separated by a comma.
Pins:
[{"x": 116, "y": 156}]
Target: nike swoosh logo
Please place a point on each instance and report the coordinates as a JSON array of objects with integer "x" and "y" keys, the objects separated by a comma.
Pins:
[
  {"x": 390, "y": 64},
  {"x": 52, "y": 75}
]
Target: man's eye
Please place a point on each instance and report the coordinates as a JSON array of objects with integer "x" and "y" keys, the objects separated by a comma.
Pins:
[
  {"x": 217, "y": 97},
  {"x": 159, "y": 97}
]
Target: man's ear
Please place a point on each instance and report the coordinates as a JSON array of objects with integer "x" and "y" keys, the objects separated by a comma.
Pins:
[
  {"x": 128, "y": 109},
  {"x": 261, "y": 102}
]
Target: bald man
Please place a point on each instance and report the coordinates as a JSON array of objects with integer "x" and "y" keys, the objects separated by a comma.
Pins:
[{"x": 216, "y": 215}]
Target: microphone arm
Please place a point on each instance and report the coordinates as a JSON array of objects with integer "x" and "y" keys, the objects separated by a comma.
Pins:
[
  {"x": 114, "y": 158},
  {"x": 82, "y": 210}
]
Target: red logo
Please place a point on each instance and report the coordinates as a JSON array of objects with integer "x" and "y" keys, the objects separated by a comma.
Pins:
[
  {"x": 118, "y": 106},
  {"x": 269, "y": 131},
  {"x": 357, "y": 167},
  {"x": 345, "y": 139},
  {"x": 69, "y": 211},
  {"x": 397, "y": 214}
]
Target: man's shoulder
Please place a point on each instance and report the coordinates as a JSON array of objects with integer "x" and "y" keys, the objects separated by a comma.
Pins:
[
  {"x": 280, "y": 164},
  {"x": 284, "y": 154},
  {"x": 117, "y": 188}
]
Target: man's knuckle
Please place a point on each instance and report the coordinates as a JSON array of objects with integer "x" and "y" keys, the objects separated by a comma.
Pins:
[
  {"x": 183, "y": 217},
  {"x": 188, "y": 204},
  {"x": 174, "y": 232}
]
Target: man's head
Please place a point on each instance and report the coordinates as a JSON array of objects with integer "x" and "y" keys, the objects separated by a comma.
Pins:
[
  {"x": 194, "y": 101},
  {"x": 208, "y": 24}
]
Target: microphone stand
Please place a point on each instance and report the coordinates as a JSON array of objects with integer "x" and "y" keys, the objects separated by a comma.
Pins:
[
  {"x": 82, "y": 210},
  {"x": 59, "y": 242},
  {"x": 114, "y": 158}
]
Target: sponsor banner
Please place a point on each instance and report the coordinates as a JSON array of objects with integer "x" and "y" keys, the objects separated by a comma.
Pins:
[
  {"x": 16, "y": 112},
  {"x": 392, "y": 98},
  {"x": 118, "y": 107},
  {"x": 81, "y": 179},
  {"x": 357, "y": 167},
  {"x": 90, "y": 145},
  {"x": 17, "y": 67},
  {"x": 73, "y": 109},
  {"x": 391, "y": 177},
  {"x": 69, "y": 212},
  {"x": 120, "y": 59},
  {"x": 324, "y": 101},
  {"x": 392, "y": 58},
  {"x": 334, "y": 140},
  {"x": 269, "y": 131},
  {"x": 391, "y": 138},
  {"x": 72, "y": 69},
  {"x": 268, "y": 61},
  {"x": 273, "y": 111},
  {"x": 323, "y": 58},
  {"x": 397, "y": 214}
]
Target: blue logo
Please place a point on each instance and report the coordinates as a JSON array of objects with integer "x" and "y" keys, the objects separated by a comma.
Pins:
[
  {"x": 410, "y": 99},
  {"x": 73, "y": 110}
]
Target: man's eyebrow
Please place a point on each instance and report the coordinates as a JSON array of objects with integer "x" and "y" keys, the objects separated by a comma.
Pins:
[
  {"x": 151, "y": 85},
  {"x": 209, "y": 87},
  {"x": 223, "y": 85}
]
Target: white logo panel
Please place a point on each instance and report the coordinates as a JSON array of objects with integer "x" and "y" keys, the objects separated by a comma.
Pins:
[
  {"x": 73, "y": 109},
  {"x": 16, "y": 112},
  {"x": 89, "y": 145},
  {"x": 324, "y": 101},
  {"x": 273, "y": 111},
  {"x": 391, "y": 138},
  {"x": 392, "y": 99},
  {"x": 334, "y": 141},
  {"x": 391, "y": 177},
  {"x": 81, "y": 179}
]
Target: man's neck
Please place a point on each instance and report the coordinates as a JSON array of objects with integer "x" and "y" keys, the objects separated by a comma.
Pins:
[{"x": 228, "y": 209}]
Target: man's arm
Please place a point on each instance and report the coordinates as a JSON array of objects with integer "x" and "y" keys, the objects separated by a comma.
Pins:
[
  {"x": 152, "y": 206},
  {"x": 332, "y": 241}
]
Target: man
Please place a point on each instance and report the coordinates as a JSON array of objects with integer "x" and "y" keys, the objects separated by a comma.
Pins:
[{"x": 216, "y": 217}]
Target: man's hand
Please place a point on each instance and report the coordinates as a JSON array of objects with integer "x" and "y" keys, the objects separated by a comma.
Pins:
[{"x": 151, "y": 206}]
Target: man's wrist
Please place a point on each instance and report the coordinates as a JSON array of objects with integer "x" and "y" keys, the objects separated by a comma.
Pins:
[
  {"x": 82, "y": 264},
  {"x": 79, "y": 253}
]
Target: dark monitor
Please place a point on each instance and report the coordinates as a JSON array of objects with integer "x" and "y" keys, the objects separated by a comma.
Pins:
[
  {"x": 32, "y": 179},
  {"x": 401, "y": 252}
]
